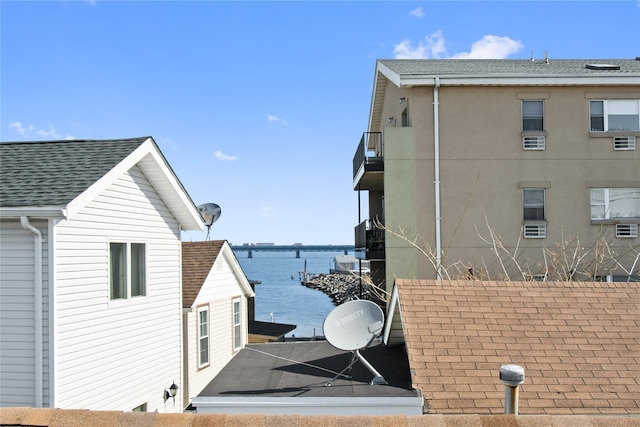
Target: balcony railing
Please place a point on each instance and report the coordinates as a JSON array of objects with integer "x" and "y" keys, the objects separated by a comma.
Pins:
[
  {"x": 370, "y": 151},
  {"x": 369, "y": 241}
]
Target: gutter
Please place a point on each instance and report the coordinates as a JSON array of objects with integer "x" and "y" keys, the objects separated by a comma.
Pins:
[
  {"x": 37, "y": 267},
  {"x": 436, "y": 181}
]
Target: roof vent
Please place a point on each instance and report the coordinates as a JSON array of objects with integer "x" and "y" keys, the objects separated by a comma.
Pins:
[{"x": 601, "y": 67}]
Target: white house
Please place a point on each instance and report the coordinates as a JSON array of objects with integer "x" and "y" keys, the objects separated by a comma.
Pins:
[
  {"x": 90, "y": 275},
  {"x": 215, "y": 302}
]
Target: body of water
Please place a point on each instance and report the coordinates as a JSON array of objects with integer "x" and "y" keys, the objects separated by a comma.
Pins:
[{"x": 280, "y": 296}]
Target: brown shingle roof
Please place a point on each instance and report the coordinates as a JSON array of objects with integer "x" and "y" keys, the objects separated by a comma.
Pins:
[
  {"x": 82, "y": 418},
  {"x": 578, "y": 342},
  {"x": 197, "y": 260}
]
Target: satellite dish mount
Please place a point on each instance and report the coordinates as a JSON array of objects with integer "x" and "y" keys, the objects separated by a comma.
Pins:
[
  {"x": 353, "y": 326},
  {"x": 210, "y": 213}
]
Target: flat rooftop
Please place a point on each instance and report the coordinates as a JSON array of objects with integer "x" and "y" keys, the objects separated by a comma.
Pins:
[{"x": 292, "y": 374}]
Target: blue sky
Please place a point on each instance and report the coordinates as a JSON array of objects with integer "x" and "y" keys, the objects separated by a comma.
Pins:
[{"x": 259, "y": 106}]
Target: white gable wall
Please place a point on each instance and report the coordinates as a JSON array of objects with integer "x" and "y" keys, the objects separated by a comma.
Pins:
[
  {"x": 22, "y": 383},
  {"x": 116, "y": 355},
  {"x": 219, "y": 290}
]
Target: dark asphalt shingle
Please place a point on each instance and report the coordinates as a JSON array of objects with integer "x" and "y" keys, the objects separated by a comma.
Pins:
[{"x": 53, "y": 173}]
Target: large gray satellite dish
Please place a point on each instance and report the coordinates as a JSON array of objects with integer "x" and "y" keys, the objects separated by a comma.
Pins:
[
  {"x": 210, "y": 213},
  {"x": 353, "y": 326}
]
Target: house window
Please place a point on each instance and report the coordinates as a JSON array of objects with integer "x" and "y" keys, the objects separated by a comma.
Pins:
[
  {"x": 141, "y": 408},
  {"x": 237, "y": 325},
  {"x": 614, "y": 115},
  {"x": 532, "y": 115},
  {"x": 138, "y": 267},
  {"x": 533, "y": 203},
  {"x": 127, "y": 270},
  {"x": 203, "y": 337},
  {"x": 615, "y": 203},
  {"x": 118, "y": 270}
]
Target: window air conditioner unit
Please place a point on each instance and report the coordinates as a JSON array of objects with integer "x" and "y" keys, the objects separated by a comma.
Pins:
[
  {"x": 624, "y": 142},
  {"x": 626, "y": 230},
  {"x": 533, "y": 142},
  {"x": 535, "y": 231}
]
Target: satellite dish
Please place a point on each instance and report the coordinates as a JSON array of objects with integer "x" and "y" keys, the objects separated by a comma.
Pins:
[
  {"x": 349, "y": 326},
  {"x": 353, "y": 326},
  {"x": 210, "y": 212}
]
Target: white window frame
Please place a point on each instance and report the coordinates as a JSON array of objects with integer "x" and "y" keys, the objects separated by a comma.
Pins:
[
  {"x": 536, "y": 206},
  {"x": 609, "y": 105},
  {"x": 236, "y": 317},
  {"x": 127, "y": 274},
  {"x": 529, "y": 116},
  {"x": 204, "y": 344},
  {"x": 605, "y": 202}
]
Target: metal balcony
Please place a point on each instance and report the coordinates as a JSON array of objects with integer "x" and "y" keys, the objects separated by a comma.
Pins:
[
  {"x": 369, "y": 241},
  {"x": 368, "y": 162}
]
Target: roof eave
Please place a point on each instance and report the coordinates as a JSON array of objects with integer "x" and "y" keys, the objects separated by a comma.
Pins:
[
  {"x": 236, "y": 268},
  {"x": 155, "y": 167},
  {"x": 43, "y": 212},
  {"x": 515, "y": 80}
]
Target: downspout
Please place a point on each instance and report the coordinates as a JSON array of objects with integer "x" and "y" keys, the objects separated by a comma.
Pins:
[
  {"x": 436, "y": 181},
  {"x": 37, "y": 267}
]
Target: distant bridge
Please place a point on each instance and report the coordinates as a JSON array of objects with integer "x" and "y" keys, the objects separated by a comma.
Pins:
[{"x": 292, "y": 248}]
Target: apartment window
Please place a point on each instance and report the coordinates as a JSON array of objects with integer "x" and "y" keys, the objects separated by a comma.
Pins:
[
  {"x": 532, "y": 115},
  {"x": 237, "y": 325},
  {"x": 533, "y": 203},
  {"x": 614, "y": 115},
  {"x": 203, "y": 337},
  {"x": 127, "y": 270},
  {"x": 615, "y": 203}
]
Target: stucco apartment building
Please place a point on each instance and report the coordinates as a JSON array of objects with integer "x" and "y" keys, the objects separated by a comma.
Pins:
[{"x": 497, "y": 169}]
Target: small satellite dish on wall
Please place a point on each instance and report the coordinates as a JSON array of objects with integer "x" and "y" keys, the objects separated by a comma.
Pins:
[
  {"x": 353, "y": 326},
  {"x": 210, "y": 213}
]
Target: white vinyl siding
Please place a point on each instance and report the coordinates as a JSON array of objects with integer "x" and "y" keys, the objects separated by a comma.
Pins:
[
  {"x": 218, "y": 290},
  {"x": 17, "y": 315},
  {"x": 106, "y": 345}
]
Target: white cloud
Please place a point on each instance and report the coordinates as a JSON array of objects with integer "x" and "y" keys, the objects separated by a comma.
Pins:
[
  {"x": 491, "y": 47},
  {"x": 275, "y": 119},
  {"x": 221, "y": 156},
  {"x": 51, "y": 133},
  {"x": 22, "y": 130},
  {"x": 434, "y": 47},
  {"x": 417, "y": 12}
]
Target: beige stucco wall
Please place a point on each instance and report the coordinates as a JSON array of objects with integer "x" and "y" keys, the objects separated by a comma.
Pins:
[{"x": 484, "y": 168}]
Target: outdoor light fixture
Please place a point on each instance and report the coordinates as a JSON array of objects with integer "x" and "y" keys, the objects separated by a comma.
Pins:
[
  {"x": 391, "y": 119},
  {"x": 170, "y": 392},
  {"x": 173, "y": 389},
  {"x": 402, "y": 100}
]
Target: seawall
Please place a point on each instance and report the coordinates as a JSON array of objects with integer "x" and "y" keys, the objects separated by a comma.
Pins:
[{"x": 339, "y": 287}]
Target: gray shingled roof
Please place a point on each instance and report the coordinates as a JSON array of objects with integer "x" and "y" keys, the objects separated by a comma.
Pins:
[
  {"x": 509, "y": 66},
  {"x": 53, "y": 173}
]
